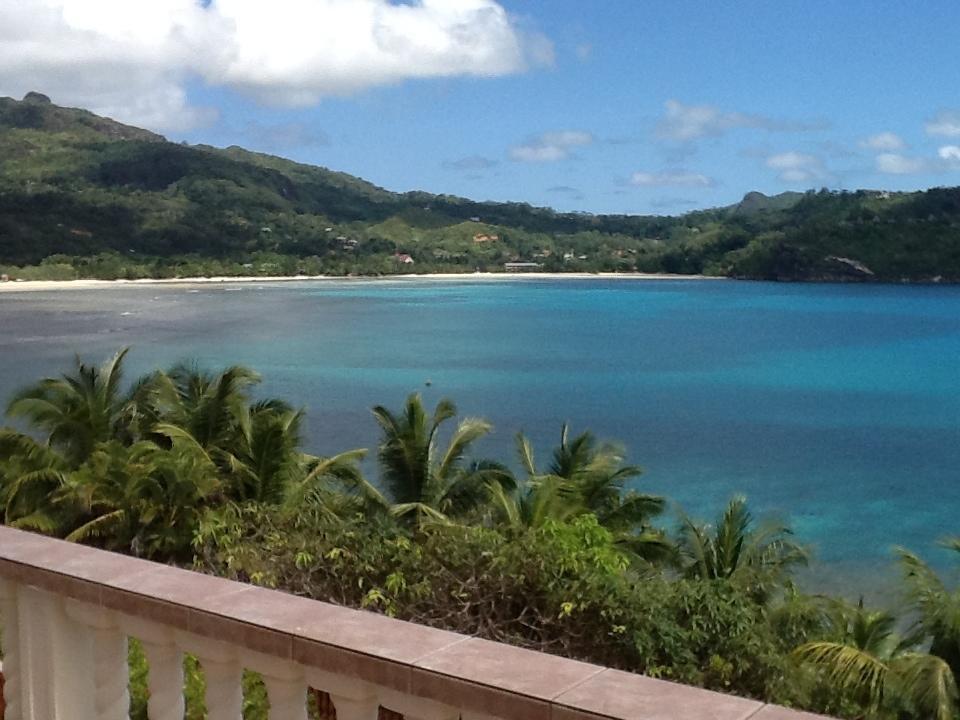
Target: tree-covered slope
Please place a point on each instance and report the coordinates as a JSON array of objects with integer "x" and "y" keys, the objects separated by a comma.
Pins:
[{"x": 85, "y": 195}]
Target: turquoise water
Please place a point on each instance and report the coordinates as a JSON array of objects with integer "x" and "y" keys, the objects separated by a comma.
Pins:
[{"x": 835, "y": 406}]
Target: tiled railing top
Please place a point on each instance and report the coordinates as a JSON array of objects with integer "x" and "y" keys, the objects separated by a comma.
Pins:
[{"x": 474, "y": 675}]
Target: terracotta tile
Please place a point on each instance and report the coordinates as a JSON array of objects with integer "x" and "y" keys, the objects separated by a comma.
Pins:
[
  {"x": 565, "y": 713},
  {"x": 378, "y": 671},
  {"x": 66, "y": 585},
  {"x": 774, "y": 712},
  {"x": 16, "y": 544},
  {"x": 235, "y": 632},
  {"x": 481, "y": 699},
  {"x": 505, "y": 667},
  {"x": 276, "y": 610},
  {"x": 146, "y": 607},
  {"x": 616, "y": 694},
  {"x": 178, "y": 586},
  {"x": 373, "y": 634}
]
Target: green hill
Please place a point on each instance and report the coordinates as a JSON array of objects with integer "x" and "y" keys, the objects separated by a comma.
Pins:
[{"x": 82, "y": 195}]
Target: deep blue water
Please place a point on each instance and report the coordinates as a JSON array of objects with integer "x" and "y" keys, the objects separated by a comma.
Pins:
[{"x": 837, "y": 406}]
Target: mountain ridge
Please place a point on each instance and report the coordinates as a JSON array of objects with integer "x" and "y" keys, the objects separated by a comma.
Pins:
[{"x": 84, "y": 195}]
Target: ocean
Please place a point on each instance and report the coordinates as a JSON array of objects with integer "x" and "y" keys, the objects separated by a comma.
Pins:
[{"x": 834, "y": 407}]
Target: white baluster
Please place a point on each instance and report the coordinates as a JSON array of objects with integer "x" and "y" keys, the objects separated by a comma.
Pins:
[
  {"x": 223, "y": 673},
  {"x": 37, "y": 620},
  {"x": 353, "y": 699},
  {"x": 165, "y": 664},
  {"x": 416, "y": 708},
  {"x": 224, "y": 689},
  {"x": 288, "y": 698},
  {"x": 286, "y": 686},
  {"x": 110, "y": 668},
  {"x": 11, "y": 650},
  {"x": 164, "y": 681}
]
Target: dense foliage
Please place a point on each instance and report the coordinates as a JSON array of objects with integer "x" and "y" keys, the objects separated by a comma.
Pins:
[
  {"x": 186, "y": 466},
  {"x": 83, "y": 196}
]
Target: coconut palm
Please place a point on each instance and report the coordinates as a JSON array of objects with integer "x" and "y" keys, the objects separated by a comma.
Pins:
[
  {"x": 254, "y": 445},
  {"x": 30, "y": 472},
  {"x": 332, "y": 488},
  {"x": 584, "y": 476},
  {"x": 79, "y": 410},
  {"x": 143, "y": 499},
  {"x": 761, "y": 556},
  {"x": 422, "y": 481},
  {"x": 935, "y": 607},
  {"x": 882, "y": 672},
  {"x": 214, "y": 408}
]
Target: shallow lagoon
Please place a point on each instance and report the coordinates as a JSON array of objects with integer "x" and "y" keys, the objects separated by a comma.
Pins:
[{"x": 835, "y": 405}]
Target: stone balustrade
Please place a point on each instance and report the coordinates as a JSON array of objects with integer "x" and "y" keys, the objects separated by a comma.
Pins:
[{"x": 68, "y": 611}]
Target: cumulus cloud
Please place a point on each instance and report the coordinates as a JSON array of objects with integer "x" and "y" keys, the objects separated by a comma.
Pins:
[
  {"x": 685, "y": 123},
  {"x": 950, "y": 154},
  {"x": 897, "y": 164},
  {"x": 796, "y": 167},
  {"x": 677, "y": 178},
  {"x": 133, "y": 60},
  {"x": 885, "y": 141},
  {"x": 945, "y": 123},
  {"x": 550, "y": 146},
  {"x": 947, "y": 159}
]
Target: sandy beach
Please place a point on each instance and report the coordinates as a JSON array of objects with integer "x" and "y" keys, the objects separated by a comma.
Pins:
[{"x": 41, "y": 285}]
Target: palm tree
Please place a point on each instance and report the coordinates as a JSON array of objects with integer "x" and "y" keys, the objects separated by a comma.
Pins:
[
  {"x": 332, "y": 488},
  {"x": 584, "y": 476},
  {"x": 213, "y": 408},
  {"x": 423, "y": 481},
  {"x": 30, "y": 472},
  {"x": 881, "y": 670},
  {"x": 254, "y": 445},
  {"x": 760, "y": 556},
  {"x": 79, "y": 410},
  {"x": 144, "y": 499},
  {"x": 935, "y": 607}
]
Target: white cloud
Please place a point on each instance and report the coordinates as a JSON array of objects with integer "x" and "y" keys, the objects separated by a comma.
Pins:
[
  {"x": 471, "y": 162},
  {"x": 132, "y": 60},
  {"x": 679, "y": 178},
  {"x": 945, "y": 123},
  {"x": 950, "y": 154},
  {"x": 692, "y": 122},
  {"x": 885, "y": 141},
  {"x": 550, "y": 146},
  {"x": 796, "y": 167},
  {"x": 897, "y": 164}
]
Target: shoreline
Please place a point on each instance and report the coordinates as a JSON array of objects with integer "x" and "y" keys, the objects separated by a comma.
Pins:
[{"x": 92, "y": 284}]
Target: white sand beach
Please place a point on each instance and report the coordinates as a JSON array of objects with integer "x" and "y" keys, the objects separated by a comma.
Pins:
[{"x": 47, "y": 285}]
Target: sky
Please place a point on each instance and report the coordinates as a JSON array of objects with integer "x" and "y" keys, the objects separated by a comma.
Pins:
[{"x": 601, "y": 106}]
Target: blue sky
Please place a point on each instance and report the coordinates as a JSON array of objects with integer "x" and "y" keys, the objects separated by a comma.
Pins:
[{"x": 600, "y": 106}]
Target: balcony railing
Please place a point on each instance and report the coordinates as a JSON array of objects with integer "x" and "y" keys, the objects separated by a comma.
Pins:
[{"x": 68, "y": 611}]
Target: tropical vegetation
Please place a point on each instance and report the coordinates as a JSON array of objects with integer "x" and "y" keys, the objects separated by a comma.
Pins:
[
  {"x": 564, "y": 554},
  {"x": 84, "y": 196}
]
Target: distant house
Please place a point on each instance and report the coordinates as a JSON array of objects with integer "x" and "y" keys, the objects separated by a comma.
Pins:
[
  {"x": 521, "y": 266},
  {"x": 475, "y": 218},
  {"x": 403, "y": 259}
]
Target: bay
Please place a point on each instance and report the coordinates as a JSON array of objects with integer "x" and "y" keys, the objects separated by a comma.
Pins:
[{"x": 835, "y": 406}]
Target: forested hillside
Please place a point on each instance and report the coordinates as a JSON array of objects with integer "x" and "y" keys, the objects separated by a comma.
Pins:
[{"x": 84, "y": 196}]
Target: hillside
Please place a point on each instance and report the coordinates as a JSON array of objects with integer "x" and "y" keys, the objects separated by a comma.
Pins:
[{"x": 82, "y": 195}]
